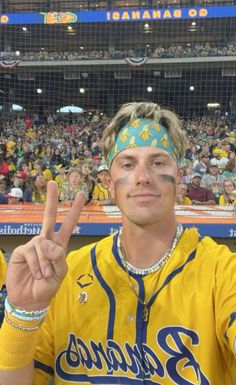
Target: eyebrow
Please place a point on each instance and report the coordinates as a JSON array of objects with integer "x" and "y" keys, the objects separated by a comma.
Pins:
[{"x": 151, "y": 156}]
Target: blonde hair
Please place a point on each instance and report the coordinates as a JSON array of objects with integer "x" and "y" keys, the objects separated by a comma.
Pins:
[
  {"x": 131, "y": 111},
  {"x": 75, "y": 169}
]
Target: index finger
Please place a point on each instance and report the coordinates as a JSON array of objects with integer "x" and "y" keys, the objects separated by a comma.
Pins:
[
  {"x": 50, "y": 213},
  {"x": 70, "y": 221}
]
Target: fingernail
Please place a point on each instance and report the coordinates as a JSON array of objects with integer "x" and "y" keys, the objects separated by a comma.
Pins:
[{"x": 39, "y": 275}]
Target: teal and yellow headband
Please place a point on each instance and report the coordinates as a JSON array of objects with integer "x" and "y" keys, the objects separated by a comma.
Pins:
[{"x": 142, "y": 132}]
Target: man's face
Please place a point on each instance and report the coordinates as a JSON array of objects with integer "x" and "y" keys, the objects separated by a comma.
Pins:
[
  {"x": 40, "y": 181},
  {"x": 196, "y": 181},
  {"x": 214, "y": 170},
  {"x": 205, "y": 159},
  {"x": 104, "y": 177},
  {"x": 13, "y": 200},
  {"x": 143, "y": 183}
]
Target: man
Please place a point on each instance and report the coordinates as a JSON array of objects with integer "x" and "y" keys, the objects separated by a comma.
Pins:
[
  {"x": 199, "y": 195},
  {"x": 213, "y": 180},
  {"x": 14, "y": 196},
  {"x": 152, "y": 304},
  {"x": 101, "y": 191},
  {"x": 201, "y": 167},
  {"x": 219, "y": 158}
]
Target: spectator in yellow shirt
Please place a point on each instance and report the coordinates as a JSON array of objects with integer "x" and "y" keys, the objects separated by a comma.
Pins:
[
  {"x": 10, "y": 144},
  {"x": 181, "y": 195},
  {"x": 101, "y": 191},
  {"x": 228, "y": 197},
  {"x": 3, "y": 268},
  {"x": 39, "y": 168}
]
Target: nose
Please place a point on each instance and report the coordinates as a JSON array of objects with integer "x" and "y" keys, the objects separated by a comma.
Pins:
[{"x": 142, "y": 175}]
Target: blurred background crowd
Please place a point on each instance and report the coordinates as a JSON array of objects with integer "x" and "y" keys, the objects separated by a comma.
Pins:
[
  {"x": 206, "y": 49},
  {"x": 34, "y": 150}
]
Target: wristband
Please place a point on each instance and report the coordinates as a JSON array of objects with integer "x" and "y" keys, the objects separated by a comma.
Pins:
[{"x": 18, "y": 342}]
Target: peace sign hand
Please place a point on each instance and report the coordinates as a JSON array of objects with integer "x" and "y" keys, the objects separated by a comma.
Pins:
[{"x": 37, "y": 268}]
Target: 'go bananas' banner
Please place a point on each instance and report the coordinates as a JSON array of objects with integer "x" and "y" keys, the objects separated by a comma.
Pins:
[{"x": 118, "y": 15}]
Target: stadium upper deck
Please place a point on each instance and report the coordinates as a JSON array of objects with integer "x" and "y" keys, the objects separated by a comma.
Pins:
[
  {"x": 8, "y": 6},
  {"x": 183, "y": 82}
]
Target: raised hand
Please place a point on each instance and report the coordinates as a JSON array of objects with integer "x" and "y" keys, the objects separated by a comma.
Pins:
[{"x": 37, "y": 268}]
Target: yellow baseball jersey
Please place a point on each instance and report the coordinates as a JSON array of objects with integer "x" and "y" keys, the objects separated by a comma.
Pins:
[
  {"x": 3, "y": 268},
  {"x": 100, "y": 192},
  {"x": 95, "y": 333}
]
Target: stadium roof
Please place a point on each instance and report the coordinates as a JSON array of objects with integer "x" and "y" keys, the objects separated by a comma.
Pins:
[{"x": 8, "y": 6}]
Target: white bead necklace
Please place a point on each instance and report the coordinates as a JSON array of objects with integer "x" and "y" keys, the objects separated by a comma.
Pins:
[{"x": 156, "y": 266}]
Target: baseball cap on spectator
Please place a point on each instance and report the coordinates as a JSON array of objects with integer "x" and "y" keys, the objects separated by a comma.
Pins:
[
  {"x": 217, "y": 151},
  {"x": 102, "y": 167},
  {"x": 196, "y": 175},
  {"x": 15, "y": 193},
  {"x": 205, "y": 154}
]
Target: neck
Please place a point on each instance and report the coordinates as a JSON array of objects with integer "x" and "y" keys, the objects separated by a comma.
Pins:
[{"x": 145, "y": 246}]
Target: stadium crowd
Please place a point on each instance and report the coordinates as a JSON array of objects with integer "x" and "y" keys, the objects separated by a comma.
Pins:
[
  {"x": 205, "y": 49},
  {"x": 35, "y": 150}
]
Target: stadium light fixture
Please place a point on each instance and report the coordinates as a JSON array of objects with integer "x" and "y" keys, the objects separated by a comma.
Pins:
[
  {"x": 146, "y": 25},
  {"x": 149, "y": 89},
  {"x": 24, "y": 29},
  {"x": 191, "y": 88},
  {"x": 69, "y": 28},
  {"x": 193, "y": 23},
  {"x": 82, "y": 90},
  {"x": 17, "y": 53},
  {"x": 81, "y": 47},
  {"x": 39, "y": 91},
  {"x": 213, "y": 105}
]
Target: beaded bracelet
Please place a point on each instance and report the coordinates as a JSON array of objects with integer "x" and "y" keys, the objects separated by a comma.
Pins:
[
  {"x": 20, "y": 327},
  {"x": 24, "y": 314}
]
